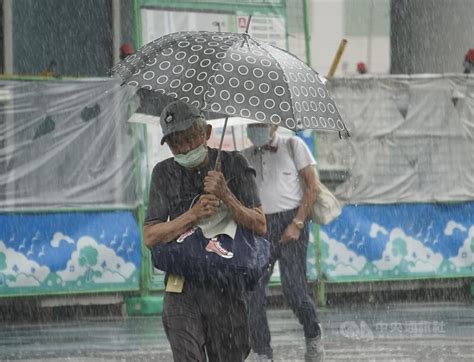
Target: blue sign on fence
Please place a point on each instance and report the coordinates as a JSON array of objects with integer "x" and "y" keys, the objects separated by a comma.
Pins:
[
  {"x": 69, "y": 252},
  {"x": 370, "y": 242}
]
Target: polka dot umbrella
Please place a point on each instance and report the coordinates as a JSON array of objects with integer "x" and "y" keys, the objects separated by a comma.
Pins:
[{"x": 234, "y": 75}]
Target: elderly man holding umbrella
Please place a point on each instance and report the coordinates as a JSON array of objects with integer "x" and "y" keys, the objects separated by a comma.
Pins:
[
  {"x": 233, "y": 75},
  {"x": 202, "y": 322}
]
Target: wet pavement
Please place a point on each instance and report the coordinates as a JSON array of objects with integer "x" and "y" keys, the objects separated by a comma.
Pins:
[{"x": 390, "y": 332}]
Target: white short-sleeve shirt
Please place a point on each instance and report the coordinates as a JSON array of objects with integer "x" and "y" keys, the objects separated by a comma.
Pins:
[{"x": 277, "y": 172}]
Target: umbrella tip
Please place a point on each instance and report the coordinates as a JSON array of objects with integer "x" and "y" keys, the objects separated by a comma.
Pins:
[
  {"x": 248, "y": 24},
  {"x": 344, "y": 134}
]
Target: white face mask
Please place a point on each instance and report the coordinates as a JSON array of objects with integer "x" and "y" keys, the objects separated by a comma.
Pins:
[
  {"x": 193, "y": 158},
  {"x": 259, "y": 136}
]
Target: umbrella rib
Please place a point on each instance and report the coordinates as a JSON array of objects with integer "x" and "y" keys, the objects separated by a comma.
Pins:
[
  {"x": 244, "y": 40},
  {"x": 254, "y": 40},
  {"x": 208, "y": 86},
  {"x": 213, "y": 77},
  {"x": 287, "y": 84}
]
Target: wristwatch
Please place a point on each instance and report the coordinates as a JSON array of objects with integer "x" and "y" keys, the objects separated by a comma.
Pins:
[{"x": 299, "y": 224}]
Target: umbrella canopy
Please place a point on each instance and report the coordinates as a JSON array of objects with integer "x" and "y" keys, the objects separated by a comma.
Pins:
[
  {"x": 235, "y": 75},
  {"x": 153, "y": 103}
]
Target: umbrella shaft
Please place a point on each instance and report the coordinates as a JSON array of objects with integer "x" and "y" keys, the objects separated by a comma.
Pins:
[{"x": 217, "y": 166}]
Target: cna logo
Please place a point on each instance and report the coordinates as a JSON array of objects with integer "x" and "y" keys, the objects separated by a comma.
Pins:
[
  {"x": 390, "y": 329},
  {"x": 352, "y": 330}
]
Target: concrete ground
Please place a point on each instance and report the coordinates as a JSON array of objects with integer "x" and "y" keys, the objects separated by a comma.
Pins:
[{"x": 413, "y": 331}]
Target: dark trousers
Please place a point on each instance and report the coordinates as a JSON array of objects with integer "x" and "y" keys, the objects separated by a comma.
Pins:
[
  {"x": 292, "y": 262},
  {"x": 202, "y": 321}
]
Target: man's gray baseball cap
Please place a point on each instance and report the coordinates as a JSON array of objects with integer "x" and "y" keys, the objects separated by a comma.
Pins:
[{"x": 177, "y": 116}]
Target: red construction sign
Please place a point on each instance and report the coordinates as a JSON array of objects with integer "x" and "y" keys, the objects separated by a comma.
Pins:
[{"x": 242, "y": 22}]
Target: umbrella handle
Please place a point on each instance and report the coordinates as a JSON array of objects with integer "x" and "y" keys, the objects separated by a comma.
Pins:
[{"x": 217, "y": 166}]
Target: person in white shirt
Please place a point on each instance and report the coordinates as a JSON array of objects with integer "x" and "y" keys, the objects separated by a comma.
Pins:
[{"x": 288, "y": 186}]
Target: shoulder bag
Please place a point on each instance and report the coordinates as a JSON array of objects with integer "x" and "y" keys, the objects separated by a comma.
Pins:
[{"x": 327, "y": 207}]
